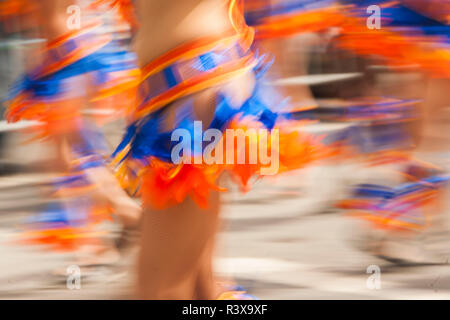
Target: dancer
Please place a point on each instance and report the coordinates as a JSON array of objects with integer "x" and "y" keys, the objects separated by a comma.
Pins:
[
  {"x": 74, "y": 70},
  {"x": 199, "y": 75},
  {"x": 413, "y": 35}
]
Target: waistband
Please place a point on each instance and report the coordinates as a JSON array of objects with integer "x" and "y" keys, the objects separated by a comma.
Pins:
[
  {"x": 70, "y": 48},
  {"x": 191, "y": 68}
]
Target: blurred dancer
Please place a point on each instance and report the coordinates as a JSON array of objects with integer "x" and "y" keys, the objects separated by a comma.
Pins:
[
  {"x": 411, "y": 33},
  {"x": 77, "y": 68},
  {"x": 200, "y": 68},
  {"x": 414, "y": 35}
]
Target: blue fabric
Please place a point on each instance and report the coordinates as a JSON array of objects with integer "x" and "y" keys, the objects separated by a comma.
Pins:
[
  {"x": 148, "y": 139},
  {"x": 101, "y": 63},
  {"x": 207, "y": 61}
]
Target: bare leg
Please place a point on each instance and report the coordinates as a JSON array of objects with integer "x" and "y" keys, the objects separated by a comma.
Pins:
[
  {"x": 207, "y": 285},
  {"x": 175, "y": 254}
]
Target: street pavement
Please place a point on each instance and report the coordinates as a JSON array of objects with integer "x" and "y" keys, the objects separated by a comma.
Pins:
[{"x": 276, "y": 242}]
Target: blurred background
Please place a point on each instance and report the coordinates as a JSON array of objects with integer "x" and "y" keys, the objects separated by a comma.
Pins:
[{"x": 288, "y": 238}]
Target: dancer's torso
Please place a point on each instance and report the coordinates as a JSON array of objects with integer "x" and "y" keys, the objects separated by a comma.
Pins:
[{"x": 165, "y": 25}]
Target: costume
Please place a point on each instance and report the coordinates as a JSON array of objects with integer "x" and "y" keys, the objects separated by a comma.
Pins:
[
  {"x": 81, "y": 68},
  {"x": 74, "y": 66},
  {"x": 146, "y": 151},
  {"x": 411, "y": 33},
  {"x": 406, "y": 207},
  {"x": 408, "y": 34},
  {"x": 414, "y": 34},
  {"x": 144, "y": 159}
]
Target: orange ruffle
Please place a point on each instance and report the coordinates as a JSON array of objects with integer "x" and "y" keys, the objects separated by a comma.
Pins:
[
  {"x": 53, "y": 118},
  {"x": 291, "y": 147},
  {"x": 165, "y": 184}
]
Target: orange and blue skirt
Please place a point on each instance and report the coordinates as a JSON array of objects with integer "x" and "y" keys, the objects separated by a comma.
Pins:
[{"x": 144, "y": 158}]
